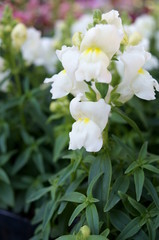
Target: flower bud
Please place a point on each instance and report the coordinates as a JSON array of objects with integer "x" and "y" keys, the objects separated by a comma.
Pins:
[
  {"x": 77, "y": 39},
  {"x": 135, "y": 38},
  {"x": 125, "y": 39},
  {"x": 18, "y": 35},
  {"x": 85, "y": 231}
]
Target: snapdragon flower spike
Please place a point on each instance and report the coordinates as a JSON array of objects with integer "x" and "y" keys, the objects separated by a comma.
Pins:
[
  {"x": 134, "y": 79},
  {"x": 91, "y": 119}
]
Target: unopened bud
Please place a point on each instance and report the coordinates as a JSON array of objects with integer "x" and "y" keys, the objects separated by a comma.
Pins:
[
  {"x": 77, "y": 39},
  {"x": 19, "y": 35},
  {"x": 85, "y": 231},
  {"x": 125, "y": 39},
  {"x": 135, "y": 38}
]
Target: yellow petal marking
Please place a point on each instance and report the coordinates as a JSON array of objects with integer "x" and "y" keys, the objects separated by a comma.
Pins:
[
  {"x": 141, "y": 71},
  {"x": 63, "y": 71},
  {"x": 91, "y": 50}
]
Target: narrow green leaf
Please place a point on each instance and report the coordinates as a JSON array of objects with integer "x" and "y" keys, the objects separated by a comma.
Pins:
[
  {"x": 119, "y": 219},
  {"x": 4, "y": 177},
  {"x": 49, "y": 211},
  {"x": 151, "y": 168},
  {"x": 74, "y": 197},
  {"x": 67, "y": 237},
  {"x": 92, "y": 218},
  {"x": 60, "y": 143},
  {"x": 6, "y": 157},
  {"x": 156, "y": 224},
  {"x": 38, "y": 194},
  {"x": 38, "y": 160},
  {"x": 6, "y": 194},
  {"x": 138, "y": 206},
  {"x": 152, "y": 191},
  {"x": 121, "y": 184},
  {"x": 132, "y": 167},
  {"x": 22, "y": 160},
  {"x": 106, "y": 232},
  {"x": 143, "y": 151},
  {"x": 151, "y": 230},
  {"x": 102, "y": 88},
  {"x": 92, "y": 183},
  {"x": 129, "y": 121},
  {"x": 139, "y": 182},
  {"x": 76, "y": 212},
  {"x": 130, "y": 230},
  {"x": 91, "y": 95}
]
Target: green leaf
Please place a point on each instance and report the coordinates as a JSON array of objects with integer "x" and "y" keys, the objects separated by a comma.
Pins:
[
  {"x": 49, "y": 211},
  {"x": 92, "y": 183},
  {"x": 102, "y": 163},
  {"x": 6, "y": 157},
  {"x": 102, "y": 88},
  {"x": 121, "y": 184},
  {"x": 129, "y": 121},
  {"x": 156, "y": 224},
  {"x": 152, "y": 191},
  {"x": 119, "y": 219},
  {"x": 38, "y": 160},
  {"x": 143, "y": 151},
  {"x": 4, "y": 177},
  {"x": 60, "y": 143},
  {"x": 132, "y": 166},
  {"x": 71, "y": 188},
  {"x": 151, "y": 168},
  {"x": 106, "y": 232},
  {"x": 67, "y": 237},
  {"x": 38, "y": 194},
  {"x": 96, "y": 237},
  {"x": 76, "y": 212},
  {"x": 138, "y": 206},
  {"x": 6, "y": 194},
  {"x": 92, "y": 218},
  {"x": 74, "y": 197},
  {"x": 139, "y": 182},
  {"x": 151, "y": 230},
  {"x": 130, "y": 230},
  {"x": 91, "y": 95},
  {"x": 22, "y": 160}
]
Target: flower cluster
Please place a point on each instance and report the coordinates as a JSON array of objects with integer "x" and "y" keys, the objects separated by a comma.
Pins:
[{"x": 104, "y": 67}]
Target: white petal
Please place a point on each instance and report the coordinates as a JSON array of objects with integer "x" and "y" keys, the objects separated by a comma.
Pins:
[
  {"x": 144, "y": 86},
  {"x": 112, "y": 17},
  {"x": 87, "y": 135},
  {"x": 69, "y": 57},
  {"x": 98, "y": 112},
  {"x": 93, "y": 64},
  {"x": 61, "y": 85},
  {"x": 105, "y": 37}
]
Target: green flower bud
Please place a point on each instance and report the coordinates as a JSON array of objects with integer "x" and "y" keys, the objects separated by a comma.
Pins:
[
  {"x": 77, "y": 39},
  {"x": 19, "y": 35},
  {"x": 85, "y": 230}
]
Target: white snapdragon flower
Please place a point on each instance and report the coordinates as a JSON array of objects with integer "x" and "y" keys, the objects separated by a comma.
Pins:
[
  {"x": 32, "y": 46},
  {"x": 64, "y": 82},
  {"x": 145, "y": 25},
  {"x": 98, "y": 46},
  {"x": 91, "y": 119},
  {"x": 47, "y": 56},
  {"x": 134, "y": 79}
]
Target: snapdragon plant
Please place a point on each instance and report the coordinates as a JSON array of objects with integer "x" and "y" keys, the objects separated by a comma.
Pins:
[{"x": 109, "y": 189}]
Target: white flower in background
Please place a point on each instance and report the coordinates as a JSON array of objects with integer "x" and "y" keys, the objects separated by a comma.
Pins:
[
  {"x": 91, "y": 119},
  {"x": 152, "y": 63},
  {"x": 19, "y": 35},
  {"x": 145, "y": 25},
  {"x": 157, "y": 40},
  {"x": 81, "y": 24},
  {"x": 47, "y": 56},
  {"x": 32, "y": 46},
  {"x": 3, "y": 76},
  {"x": 134, "y": 79}
]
